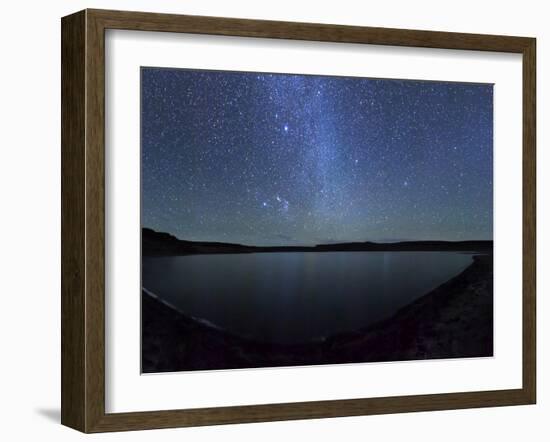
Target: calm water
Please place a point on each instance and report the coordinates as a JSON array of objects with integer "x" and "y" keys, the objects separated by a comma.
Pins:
[{"x": 296, "y": 297}]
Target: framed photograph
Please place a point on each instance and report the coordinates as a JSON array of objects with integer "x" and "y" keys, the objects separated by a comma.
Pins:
[{"x": 268, "y": 220}]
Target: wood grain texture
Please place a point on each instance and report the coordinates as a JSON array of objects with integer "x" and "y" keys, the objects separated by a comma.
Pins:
[
  {"x": 308, "y": 410},
  {"x": 145, "y": 21},
  {"x": 95, "y": 222},
  {"x": 83, "y": 219},
  {"x": 529, "y": 220},
  {"x": 73, "y": 257}
]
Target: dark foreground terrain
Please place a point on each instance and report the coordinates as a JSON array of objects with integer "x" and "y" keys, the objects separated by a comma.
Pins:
[
  {"x": 155, "y": 243},
  {"x": 455, "y": 320}
]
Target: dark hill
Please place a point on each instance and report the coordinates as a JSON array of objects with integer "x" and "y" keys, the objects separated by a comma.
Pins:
[{"x": 162, "y": 244}]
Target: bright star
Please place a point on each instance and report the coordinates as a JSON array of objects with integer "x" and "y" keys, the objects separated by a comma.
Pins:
[{"x": 286, "y": 127}]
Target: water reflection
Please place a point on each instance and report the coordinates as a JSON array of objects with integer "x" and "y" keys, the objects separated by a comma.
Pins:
[{"x": 296, "y": 297}]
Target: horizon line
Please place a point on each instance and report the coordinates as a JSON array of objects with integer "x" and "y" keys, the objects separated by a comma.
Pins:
[{"x": 397, "y": 241}]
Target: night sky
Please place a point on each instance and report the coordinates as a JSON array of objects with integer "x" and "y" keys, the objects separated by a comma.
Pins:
[{"x": 277, "y": 159}]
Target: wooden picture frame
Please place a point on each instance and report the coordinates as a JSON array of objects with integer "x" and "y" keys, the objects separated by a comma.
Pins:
[{"x": 83, "y": 218}]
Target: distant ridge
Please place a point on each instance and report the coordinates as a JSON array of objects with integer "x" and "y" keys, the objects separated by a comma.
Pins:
[{"x": 164, "y": 244}]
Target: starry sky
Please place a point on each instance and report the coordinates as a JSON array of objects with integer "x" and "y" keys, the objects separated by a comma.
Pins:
[{"x": 280, "y": 159}]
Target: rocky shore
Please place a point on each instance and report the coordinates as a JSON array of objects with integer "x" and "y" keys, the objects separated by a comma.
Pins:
[{"x": 455, "y": 320}]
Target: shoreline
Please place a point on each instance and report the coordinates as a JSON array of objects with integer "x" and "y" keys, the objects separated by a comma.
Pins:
[
  {"x": 453, "y": 320},
  {"x": 164, "y": 244}
]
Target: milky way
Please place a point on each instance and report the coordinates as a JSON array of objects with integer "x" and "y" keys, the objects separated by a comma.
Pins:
[{"x": 276, "y": 159}]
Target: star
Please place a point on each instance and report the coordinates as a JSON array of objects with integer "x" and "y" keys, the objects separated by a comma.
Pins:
[{"x": 314, "y": 157}]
